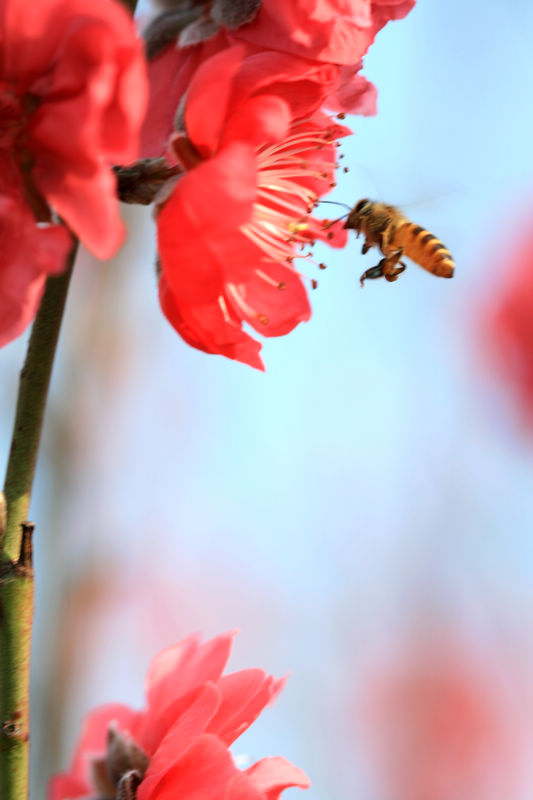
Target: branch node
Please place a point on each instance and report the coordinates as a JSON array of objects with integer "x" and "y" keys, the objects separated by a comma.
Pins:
[{"x": 25, "y": 562}]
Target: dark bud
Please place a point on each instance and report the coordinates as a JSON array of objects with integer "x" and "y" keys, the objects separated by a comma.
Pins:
[
  {"x": 128, "y": 785},
  {"x": 166, "y": 27},
  {"x": 124, "y": 756},
  {"x": 234, "y": 13},
  {"x": 200, "y": 30},
  {"x": 142, "y": 181}
]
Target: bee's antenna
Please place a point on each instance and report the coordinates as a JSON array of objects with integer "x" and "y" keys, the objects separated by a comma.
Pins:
[{"x": 335, "y": 203}]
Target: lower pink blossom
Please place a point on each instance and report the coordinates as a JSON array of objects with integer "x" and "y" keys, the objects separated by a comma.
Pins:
[{"x": 178, "y": 746}]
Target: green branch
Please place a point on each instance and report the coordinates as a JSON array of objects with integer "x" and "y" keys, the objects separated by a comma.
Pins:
[{"x": 16, "y": 574}]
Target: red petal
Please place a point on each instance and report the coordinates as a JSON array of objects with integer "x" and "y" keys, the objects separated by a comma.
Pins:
[
  {"x": 184, "y": 666},
  {"x": 210, "y": 328},
  {"x": 169, "y": 75},
  {"x": 303, "y": 84},
  {"x": 85, "y": 199},
  {"x": 272, "y": 775},
  {"x": 271, "y": 298},
  {"x": 336, "y": 31},
  {"x": 354, "y": 94},
  {"x": 64, "y": 787},
  {"x": 202, "y": 773},
  {"x": 189, "y": 723},
  {"x": 208, "y": 98},
  {"x": 29, "y": 254},
  {"x": 205, "y": 210},
  {"x": 259, "y": 121},
  {"x": 244, "y": 696}
]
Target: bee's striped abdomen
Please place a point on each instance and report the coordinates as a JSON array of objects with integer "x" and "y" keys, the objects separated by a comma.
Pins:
[{"x": 424, "y": 249}]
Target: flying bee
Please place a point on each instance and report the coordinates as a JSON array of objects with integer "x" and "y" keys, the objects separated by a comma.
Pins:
[{"x": 388, "y": 229}]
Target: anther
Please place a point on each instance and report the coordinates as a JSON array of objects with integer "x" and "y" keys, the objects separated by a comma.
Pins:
[
  {"x": 322, "y": 266},
  {"x": 342, "y": 115},
  {"x": 282, "y": 285},
  {"x": 314, "y": 283},
  {"x": 263, "y": 319}
]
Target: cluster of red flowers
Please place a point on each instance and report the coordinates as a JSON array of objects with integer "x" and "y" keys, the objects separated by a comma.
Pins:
[
  {"x": 73, "y": 95},
  {"x": 237, "y": 98},
  {"x": 178, "y": 746}
]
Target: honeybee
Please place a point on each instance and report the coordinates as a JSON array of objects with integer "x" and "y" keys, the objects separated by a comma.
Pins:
[{"x": 388, "y": 229}]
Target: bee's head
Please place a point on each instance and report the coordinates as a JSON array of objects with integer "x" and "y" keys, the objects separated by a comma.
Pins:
[{"x": 360, "y": 210}]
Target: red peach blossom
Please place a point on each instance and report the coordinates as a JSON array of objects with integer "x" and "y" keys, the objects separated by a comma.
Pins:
[
  {"x": 171, "y": 71},
  {"x": 178, "y": 746},
  {"x": 73, "y": 94},
  {"x": 331, "y": 31},
  {"x": 258, "y": 155},
  {"x": 334, "y": 31}
]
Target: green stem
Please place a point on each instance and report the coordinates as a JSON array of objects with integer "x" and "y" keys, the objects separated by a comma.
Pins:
[{"x": 16, "y": 576}]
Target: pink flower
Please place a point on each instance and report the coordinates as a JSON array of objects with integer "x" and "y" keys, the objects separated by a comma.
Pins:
[
  {"x": 444, "y": 723},
  {"x": 508, "y": 325},
  {"x": 178, "y": 746},
  {"x": 259, "y": 155},
  {"x": 72, "y": 98}
]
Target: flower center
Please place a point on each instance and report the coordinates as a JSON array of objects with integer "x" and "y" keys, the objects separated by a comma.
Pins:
[{"x": 289, "y": 173}]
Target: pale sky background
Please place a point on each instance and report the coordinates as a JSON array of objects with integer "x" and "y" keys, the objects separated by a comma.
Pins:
[{"x": 376, "y": 477}]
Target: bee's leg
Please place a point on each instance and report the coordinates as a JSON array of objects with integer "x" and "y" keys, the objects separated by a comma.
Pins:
[
  {"x": 394, "y": 274},
  {"x": 366, "y": 247},
  {"x": 390, "y": 268},
  {"x": 373, "y": 273}
]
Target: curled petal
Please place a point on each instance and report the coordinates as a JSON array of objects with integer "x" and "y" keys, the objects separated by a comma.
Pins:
[
  {"x": 243, "y": 696},
  {"x": 272, "y": 775},
  {"x": 354, "y": 94},
  {"x": 210, "y": 327}
]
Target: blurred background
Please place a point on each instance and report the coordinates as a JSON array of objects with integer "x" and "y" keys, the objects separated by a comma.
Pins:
[{"x": 363, "y": 512}]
